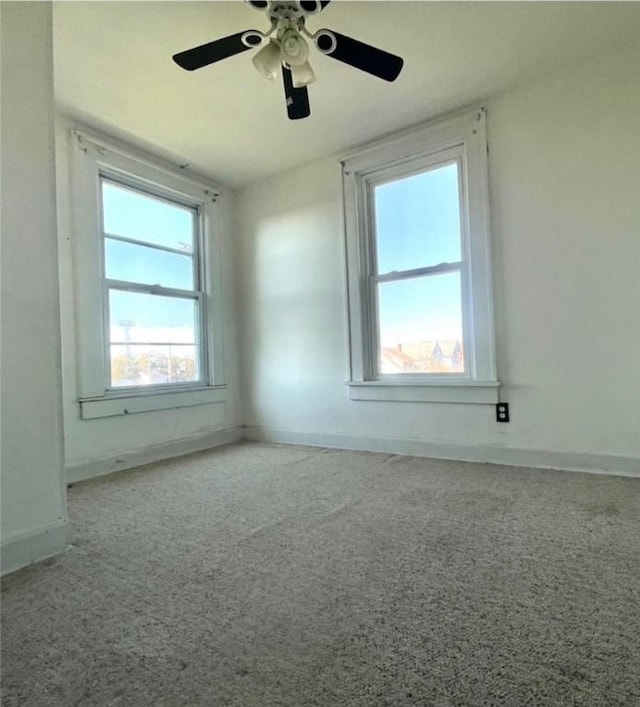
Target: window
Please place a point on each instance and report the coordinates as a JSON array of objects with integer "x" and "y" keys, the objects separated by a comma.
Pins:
[
  {"x": 148, "y": 274},
  {"x": 152, "y": 289},
  {"x": 420, "y": 306}
]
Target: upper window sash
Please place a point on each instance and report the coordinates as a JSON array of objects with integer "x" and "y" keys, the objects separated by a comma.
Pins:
[
  {"x": 161, "y": 195},
  {"x": 412, "y": 167}
]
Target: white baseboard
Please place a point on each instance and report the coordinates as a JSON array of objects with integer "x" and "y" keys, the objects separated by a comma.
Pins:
[
  {"x": 570, "y": 461},
  {"x": 24, "y": 550},
  {"x": 82, "y": 470}
]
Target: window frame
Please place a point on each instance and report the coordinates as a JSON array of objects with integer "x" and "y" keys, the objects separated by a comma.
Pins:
[
  {"x": 462, "y": 136},
  {"x": 92, "y": 161},
  {"x": 197, "y": 292}
]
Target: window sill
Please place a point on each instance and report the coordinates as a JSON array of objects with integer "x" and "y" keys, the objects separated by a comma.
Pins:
[
  {"x": 469, "y": 392},
  {"x": 128, "y": 404}
]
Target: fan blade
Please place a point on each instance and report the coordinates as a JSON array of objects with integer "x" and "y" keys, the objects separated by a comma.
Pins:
[
  {"x": 297, "y": 98},
  {"x": 365, "y": 57},
  {"x": 211, "y": 52}
]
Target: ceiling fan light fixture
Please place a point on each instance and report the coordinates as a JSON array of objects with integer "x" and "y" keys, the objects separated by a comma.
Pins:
[
  {"x": 302, "y": 75},
  {"x": 268, "y": 61},
  {"x": 287, "y": 52}
]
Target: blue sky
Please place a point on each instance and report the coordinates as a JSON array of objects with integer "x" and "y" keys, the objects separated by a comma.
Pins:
[
  {"x": 418, "y": 225},
  {"x": 134, "y": 215}
]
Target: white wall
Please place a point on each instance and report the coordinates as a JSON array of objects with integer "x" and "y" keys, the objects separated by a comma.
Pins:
[
  {"x": 97, "y": 446},
  {"x": 33, "y": 497},
  {"x": 565, "y": 182}
]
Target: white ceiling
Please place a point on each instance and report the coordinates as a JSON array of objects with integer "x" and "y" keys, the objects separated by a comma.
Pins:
[{"x": 113, "y": 71}]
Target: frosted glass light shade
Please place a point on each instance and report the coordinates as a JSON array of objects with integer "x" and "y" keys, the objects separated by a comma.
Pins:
[
  {"x": 295, "y": 51},
  {"x": 267, "y": 61},
  {"x": 302, "y": 75}
]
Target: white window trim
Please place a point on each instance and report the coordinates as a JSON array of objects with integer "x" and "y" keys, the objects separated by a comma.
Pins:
[
  {"x": 92, "y": 156},
  {"x": 463, "y": 135}
]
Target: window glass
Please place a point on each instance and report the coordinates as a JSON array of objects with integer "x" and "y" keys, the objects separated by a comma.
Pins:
[
  {"x": 151, "y": 266},
  {"x": 420, "y": 325},
  {"x": 144, "y": 318},
  {"x": 131, "y": 214},
  {"x": 417, "y": 220},
  {"x": 146, "y": 364},
  {"x": 152, "y": 339}
]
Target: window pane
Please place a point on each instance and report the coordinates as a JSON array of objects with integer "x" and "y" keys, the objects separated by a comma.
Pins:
[
  {"x": 132, "y": 214},
  {"x": 136, "y": 317},
  {"x": 144, "y": 364},
  {"x": 420, "y": 325},
  {"x": 418, "y": 220},
  {"x": 149, "y": 266}
]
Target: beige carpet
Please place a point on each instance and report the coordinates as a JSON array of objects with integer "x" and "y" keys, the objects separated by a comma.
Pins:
[{"x": 260, "y": 575}]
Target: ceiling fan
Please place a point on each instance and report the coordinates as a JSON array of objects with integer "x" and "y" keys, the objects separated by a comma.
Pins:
[{"x": 286, "y": 51}]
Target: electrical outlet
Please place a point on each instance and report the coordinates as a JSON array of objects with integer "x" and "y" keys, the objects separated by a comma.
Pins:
[{"x": 502, "y": 412}]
